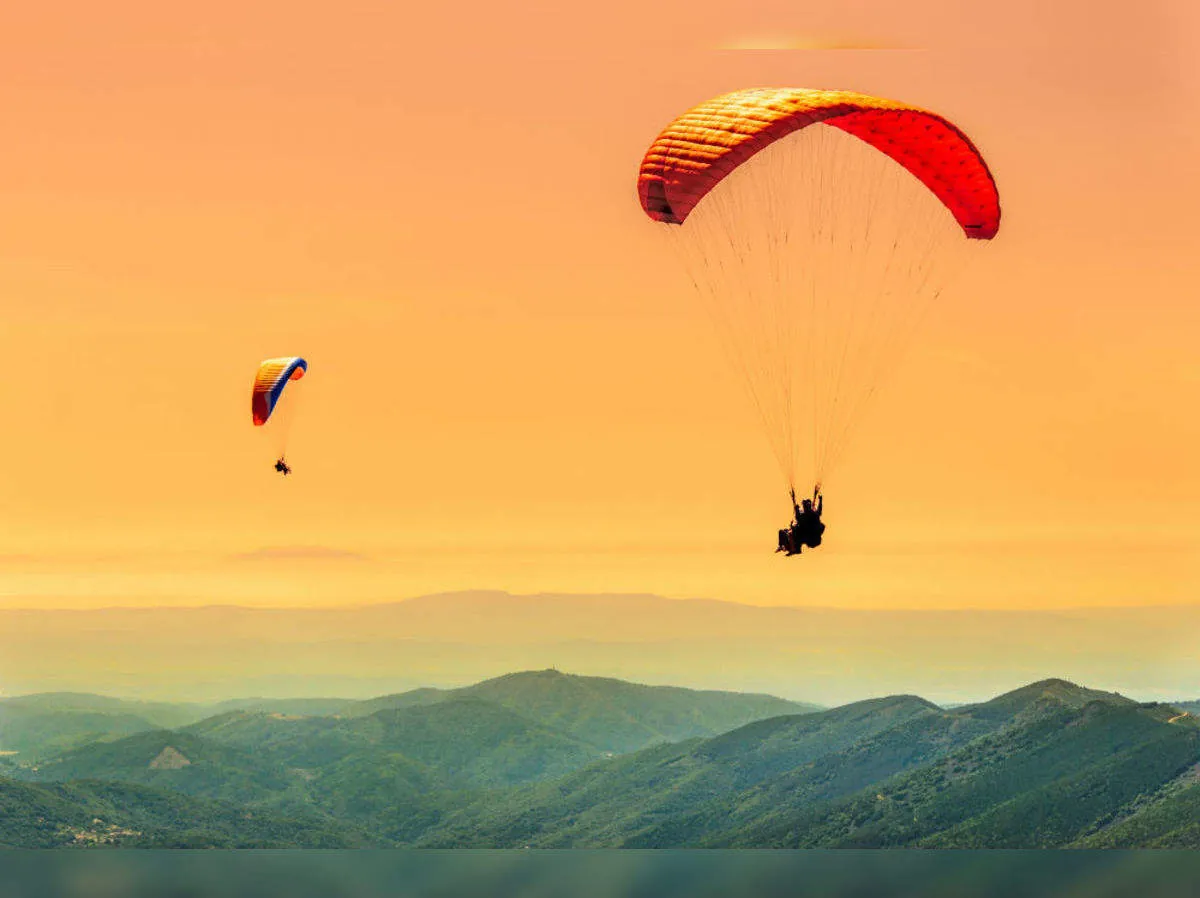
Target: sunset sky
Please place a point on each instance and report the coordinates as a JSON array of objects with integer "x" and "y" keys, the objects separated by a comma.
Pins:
[{"x": 511, "y": 385}]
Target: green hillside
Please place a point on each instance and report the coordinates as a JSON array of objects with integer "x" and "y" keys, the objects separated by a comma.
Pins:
[
  {"x": 398, "y": 770},
  {"x": 175, "y": 761},
  {"x": 1041, "y": 782},
  {"x": 525, "y": 760},
  {"x": 1040, "y": 696},
  {"x": 301, "y": 707},
  {"x": 85, "y": 814},
  {"x": 160, "y": 714},
  {"x": 414, "y": 759},
  {"x": 1168, "y": 819},
  {"x": 620, "y": 799},
  {"x": 612, "y": 715},
  {"x": 424, "y": 696},
  {"x": 1038, "y": 766},
  {"x": 30, "y": 734},
  {"x": 469, "y": 742},
  {"x": 34, "y": 727}
]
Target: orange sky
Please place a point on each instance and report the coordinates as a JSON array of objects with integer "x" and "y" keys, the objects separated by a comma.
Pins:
[{"x": 436, "y": 207}]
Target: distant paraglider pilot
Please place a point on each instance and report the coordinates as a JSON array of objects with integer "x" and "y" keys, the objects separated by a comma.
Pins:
[
  {"x": 269, "y": 381},
  {"x": 807, "y": 527}
]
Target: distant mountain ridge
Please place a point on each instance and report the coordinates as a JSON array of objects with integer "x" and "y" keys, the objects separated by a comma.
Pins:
[
  {"x": 826, "y": 655},
  {"x": 612, "y": 714},
  {"x": 50, "y": 723}
]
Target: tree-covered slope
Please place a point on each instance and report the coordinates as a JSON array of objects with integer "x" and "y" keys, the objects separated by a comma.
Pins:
[{"x": 612, "y": 715}]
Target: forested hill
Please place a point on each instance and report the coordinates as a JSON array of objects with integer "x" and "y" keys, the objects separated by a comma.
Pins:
[{"x": 544, "y": 758}]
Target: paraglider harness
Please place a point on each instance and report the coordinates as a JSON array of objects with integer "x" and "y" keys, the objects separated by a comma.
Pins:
[
  {"x": 806, "y": 529},
  {"x": 282, "y": 466}
]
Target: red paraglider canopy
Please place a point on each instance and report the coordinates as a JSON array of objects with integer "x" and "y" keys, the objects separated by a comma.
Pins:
[{"x": 702, "y": 146}]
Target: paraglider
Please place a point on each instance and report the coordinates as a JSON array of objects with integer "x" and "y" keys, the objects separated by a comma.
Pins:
[
  {"x": 806, "y": 528},
  {"x": 266, "y": 396},
  {"x": 817, "y": 249}
]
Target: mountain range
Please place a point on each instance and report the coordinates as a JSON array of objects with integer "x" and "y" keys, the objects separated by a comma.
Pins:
[
  {"x": 831, "y": 656},
  {"x": 549, "y": 759}
]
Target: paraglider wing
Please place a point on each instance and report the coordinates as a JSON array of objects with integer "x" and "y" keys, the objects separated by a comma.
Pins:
[
  {"x": 818, "y": 226},
  {"x": 273, "y": 375},
  {"x": 702, "y": 146}
]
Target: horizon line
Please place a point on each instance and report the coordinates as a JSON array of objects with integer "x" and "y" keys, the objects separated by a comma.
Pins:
[
  {"x": 506, "y": 594},
  {"x": 817, "y": 706}
]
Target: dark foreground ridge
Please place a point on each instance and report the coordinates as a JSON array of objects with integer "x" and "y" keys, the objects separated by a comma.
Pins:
[{"x": 548, "y": 759}]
